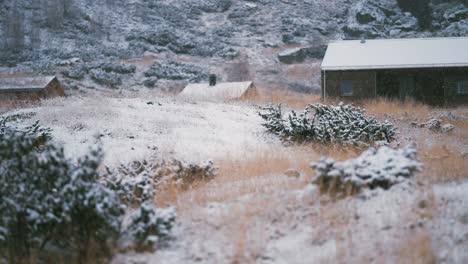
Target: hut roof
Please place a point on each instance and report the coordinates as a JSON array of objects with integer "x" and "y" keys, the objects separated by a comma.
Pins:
[
  {"x": 396, "y": 54},
  {"x": 230, "y": 90},
  {"x": 25, "y": 84}
]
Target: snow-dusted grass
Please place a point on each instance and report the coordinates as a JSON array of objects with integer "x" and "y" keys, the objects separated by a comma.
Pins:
[
  {"x": 286, "y": 97},
  {"x": 259, "y": 174},
  {"x": 383, "y": 107},
  {"x": 131, "y": 129},
  {"x": 252, "y": 211}
]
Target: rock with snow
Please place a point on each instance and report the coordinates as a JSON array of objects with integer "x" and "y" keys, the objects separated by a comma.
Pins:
[
  {"x": 292, "y": 173},
  {"x": 297, "y": 55},
  {"x": 355, "y": 31},
  {"x": 447, "y": 128},
  {"x": 375, "y": 168},
  {"x": 435, "y": 125},
  {"x": 366, "y": 13}
]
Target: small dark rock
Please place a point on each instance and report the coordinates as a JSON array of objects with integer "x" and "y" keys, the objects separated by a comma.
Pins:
[{"x": 292, "y": 173}]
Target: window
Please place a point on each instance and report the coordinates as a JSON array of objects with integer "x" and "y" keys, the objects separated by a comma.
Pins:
[
  {"x": 346, "y": 88},
  {"x": 462, "y": 87}
]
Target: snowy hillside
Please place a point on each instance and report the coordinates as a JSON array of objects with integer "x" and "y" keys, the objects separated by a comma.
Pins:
[{"x": 276, "y": 43}]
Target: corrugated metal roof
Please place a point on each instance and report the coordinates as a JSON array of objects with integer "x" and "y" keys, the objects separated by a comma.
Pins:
[
  {"x": 25, "y": 83},
  {"x": 231, "y": 90},
  {"x": 396, "y": 54}
]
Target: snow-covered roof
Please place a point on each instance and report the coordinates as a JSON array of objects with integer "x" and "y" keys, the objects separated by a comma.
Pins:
[
  {"x": 229, "y": 90},
  {"x": 396, "y": 54},
  {"x": 25, "y": 83}
]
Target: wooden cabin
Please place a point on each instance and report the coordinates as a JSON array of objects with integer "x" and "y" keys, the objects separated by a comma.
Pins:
[
  {"x": 430, "y": 70},
  {"x": 29, "y": 89}
]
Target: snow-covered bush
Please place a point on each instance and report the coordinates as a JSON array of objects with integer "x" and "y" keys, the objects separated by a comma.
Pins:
[
  {"x": 374, "y": 168},
  {"x": 149, "y": 225},
  {"x": 343, "y": 124},
  {"x": 184, "y": 173},
  {"x": 48, "y": 201},
  {"x": 45, "y": 198},
  {"x": 133, "y": 183},
  {"x": 39, "y": 133},
  {"x": 136, "y": 181}
]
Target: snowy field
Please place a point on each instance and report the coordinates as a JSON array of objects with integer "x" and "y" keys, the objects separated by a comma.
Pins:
[
  {"x": 139, "y": 128},
  {"x": 254, "y": 212}
]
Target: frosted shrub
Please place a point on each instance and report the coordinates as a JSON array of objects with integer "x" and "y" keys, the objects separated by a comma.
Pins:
[
  {"x": 136, "y": 181},
  {"x": 36, "y": 131},
  {"x": 343, "y": 124},
  {"x": 184, "y": 173},
  {"x": 46, "y": 198},
  {"x": 48, "y": 201},
  {"x": 383, "y": 167},
  {"x": 149, "y": 225},
  {"x": 133, "y": 183}
]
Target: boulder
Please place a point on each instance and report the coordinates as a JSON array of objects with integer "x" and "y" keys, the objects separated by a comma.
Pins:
[
  {"x": 366, "y": 13},
  {"x": 406, "y": 22},
  {"x": 292, "y": 173},
  {"x": 355, "y": 30},
  {"x": 297, "y": 55},
  {"x": 447, "y": 128}
]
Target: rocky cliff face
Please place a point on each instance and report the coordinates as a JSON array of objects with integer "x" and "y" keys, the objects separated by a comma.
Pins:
[{"x": 278, "y": 43}]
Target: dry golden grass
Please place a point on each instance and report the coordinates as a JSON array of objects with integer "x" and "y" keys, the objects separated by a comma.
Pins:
[
  {"x": 285, "y": 97},
  {"x": 256, "y": 173},
  {"x": 302, "y": 71},
  {"x": 417, "y": 249},
  {"x": 263, "y": 172},
  {"x": 395, "y": 108},
  {"x": 442, "y": 164}
]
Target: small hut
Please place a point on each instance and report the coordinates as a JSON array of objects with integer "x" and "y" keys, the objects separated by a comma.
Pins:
[
  {"x": 226, "y": 91},
  {"x": 29, "y": 88}
]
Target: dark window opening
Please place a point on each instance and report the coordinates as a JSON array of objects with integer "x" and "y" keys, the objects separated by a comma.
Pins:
[
  {"x": 346, "y": 88},
  {"x": 462, "y": 87}
]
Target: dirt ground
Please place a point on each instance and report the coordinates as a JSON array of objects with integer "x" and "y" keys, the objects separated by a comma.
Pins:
[{"x": 253, "y": 212}]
